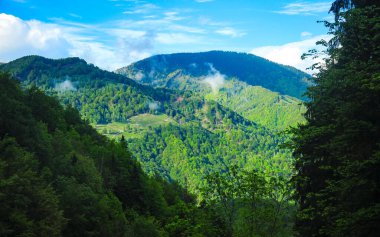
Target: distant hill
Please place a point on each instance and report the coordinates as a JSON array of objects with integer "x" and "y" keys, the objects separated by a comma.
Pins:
[
  {"x": 178, "y": 134},
  {"x": 160, "y": 70},
  {"x": 59, "y": 177},
  {"x": 261, "y": 91}
]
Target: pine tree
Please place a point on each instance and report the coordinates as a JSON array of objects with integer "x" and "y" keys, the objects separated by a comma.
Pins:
[{"x": 337, "y": 151}]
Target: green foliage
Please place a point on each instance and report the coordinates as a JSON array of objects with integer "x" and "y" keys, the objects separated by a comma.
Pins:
[
  {"x": 251, "y": 203},
  {"x": 164, "y": 70},
  {"x": 258, "y": 94},
  {"x": 260, "y": 105},
  {"x": 186, "y": 153},
  {"x": 58, "y": 177},
  {"x": 337, "y": 151},
  {"x": 100, "y": 96},
  {"x": 181, "y": 136},
  {"x": 28, "y": 204}
]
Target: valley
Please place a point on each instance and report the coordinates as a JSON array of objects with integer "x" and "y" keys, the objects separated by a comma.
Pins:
[
  {"x": 201, "y": 118},
  {"x": 177, "y": 123}
]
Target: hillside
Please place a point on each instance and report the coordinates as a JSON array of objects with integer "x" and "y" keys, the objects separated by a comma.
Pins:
[
  {"x": 159, "y": 124},
  {"x": 160, "y": 70},
  {"x": 261, "y": 91},
  {"x": 59, "y": 177}
]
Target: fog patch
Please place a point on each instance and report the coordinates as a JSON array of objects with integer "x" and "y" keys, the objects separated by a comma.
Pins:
[
  {"x": 66, "y": 85},
  {"x": 154, "y": 106},
  {"x": 214, "y": 79},
  {"x": 152, "y": 73},
  {"x": 139, "y": 76}
]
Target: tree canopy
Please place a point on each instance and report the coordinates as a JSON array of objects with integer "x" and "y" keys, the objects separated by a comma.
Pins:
[{"x": 337, "y": 152}]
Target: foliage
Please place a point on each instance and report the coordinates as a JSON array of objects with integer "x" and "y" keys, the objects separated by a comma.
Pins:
[
  {"x": 61, "y": 178},
  {"x": 162, "y": 70},
  {"x": 337, "y": 151},
  {"x": 251, "y": 203},
  {"x": 245, "y": 83},
  {"x": 181, "y": 136}
]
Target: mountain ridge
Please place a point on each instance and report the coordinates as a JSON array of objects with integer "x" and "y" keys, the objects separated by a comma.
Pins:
[
  {"x": 200, "y": 132},
  {"x": 249, "y": 68}
]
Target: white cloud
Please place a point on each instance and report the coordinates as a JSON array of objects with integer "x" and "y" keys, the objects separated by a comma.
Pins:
[
  {"x": 142, "y": 9},
  {"x": 229, "y": 31},
  {"x": 187, "y": 29},
  {"x": 139, "y": 75},
  {"x": 176, "y": 38},
  {"x": 215, "y": 79},
  {"x": 66, "y": 85},
  {"x": 306, "y": 34},
  {"x": 305, "y": 8},
  {"x": 19, "y": 38},
  {"x": 290, "y": 54},
  {"x": 172, "y": 16}
]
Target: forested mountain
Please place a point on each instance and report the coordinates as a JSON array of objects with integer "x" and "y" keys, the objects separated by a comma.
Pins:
[
  {"x": 196, "y": 144},
  {"x": 261, "y": 91},
  {"x": 179, "y": 135},
  {"x": 183, "y": 136},
  {"x": 59, "y": 177},
  {"x": 100, "y": 96},
  {"x": 162, "y": 70}
]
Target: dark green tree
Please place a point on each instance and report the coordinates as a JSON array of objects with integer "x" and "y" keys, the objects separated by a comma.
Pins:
[
  {"x": 28, "y": 205},
  {"x": 337, "y": 151}
]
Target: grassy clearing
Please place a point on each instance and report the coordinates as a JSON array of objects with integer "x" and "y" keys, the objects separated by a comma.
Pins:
[{"x": 135, "y": 127}]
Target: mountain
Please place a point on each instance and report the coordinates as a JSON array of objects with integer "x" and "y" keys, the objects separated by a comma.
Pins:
[
  {"x": 261, "y": 91},
  {"x": 163, "y": 70},
  {"x": 180, "y": 135},
  {"x": 59, "y": 177}
]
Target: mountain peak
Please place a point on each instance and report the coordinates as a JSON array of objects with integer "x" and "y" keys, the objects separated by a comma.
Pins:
[{"x": 249, "y": 68}]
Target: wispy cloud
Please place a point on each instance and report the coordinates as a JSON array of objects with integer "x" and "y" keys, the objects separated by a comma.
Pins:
[
  {"x": 177, "y": 38},
  {"x": 229, "y": 31},
  {"x": 306, "y": 34},
  {"x": 305, "y": 8},
  {"x": 290, "y": 54},
  {"x": 75, "y": 15},
  {"x": 214, "y": 79},
  {"x": 172, "y": 16},
  {"x": 142, "y": 9},
  {"x": 66, "y": 85}
]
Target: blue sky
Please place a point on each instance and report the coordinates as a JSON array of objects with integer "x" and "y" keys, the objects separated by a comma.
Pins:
[{"x": 115, "y": 33}]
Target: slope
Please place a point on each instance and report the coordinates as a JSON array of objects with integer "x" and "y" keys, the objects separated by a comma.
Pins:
[
  {"x": 61, "y": 178},
  {"x": 253, "y": 70},
  {"x": 214, "y": 136},
  {"x": 257, "y": 89}
]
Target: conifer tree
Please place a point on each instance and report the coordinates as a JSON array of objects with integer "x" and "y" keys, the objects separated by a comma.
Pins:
[{"x": 337, "y": 151}]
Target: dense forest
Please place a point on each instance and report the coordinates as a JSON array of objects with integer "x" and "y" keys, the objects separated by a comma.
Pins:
[
  {"x": 248, "y": 68},
  {"x": 59, "y": 177},
  {"x": 337, "y": 155},
  {"x": 178, "y": 158},
  {"x": 201, "y": 135}
]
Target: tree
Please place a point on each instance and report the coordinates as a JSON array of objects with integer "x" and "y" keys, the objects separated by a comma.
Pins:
[
  {"x": 28, "y": 205},
  {"x": 337, "y": 153}
]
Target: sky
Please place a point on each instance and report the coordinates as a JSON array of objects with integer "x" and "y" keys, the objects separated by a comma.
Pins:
[{"x": 114, "y": 33}]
